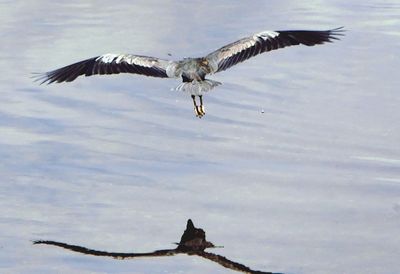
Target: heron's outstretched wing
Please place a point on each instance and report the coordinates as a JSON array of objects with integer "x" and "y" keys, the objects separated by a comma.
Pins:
[
  {"x": 111, "y": 64},
  {"x": 116, "y": 255},
  {"x": 245, "y": 48}
]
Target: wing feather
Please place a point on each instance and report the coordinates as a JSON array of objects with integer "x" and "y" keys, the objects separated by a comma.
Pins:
[
  {"x": 111, "y": 64},
  {"x": 248, "y": 47}
]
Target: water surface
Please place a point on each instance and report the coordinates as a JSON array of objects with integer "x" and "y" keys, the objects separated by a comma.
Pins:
[{"x": 295, "y": 168}]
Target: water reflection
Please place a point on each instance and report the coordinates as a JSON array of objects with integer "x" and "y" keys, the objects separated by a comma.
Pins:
[{"x": 193, "y": 242}]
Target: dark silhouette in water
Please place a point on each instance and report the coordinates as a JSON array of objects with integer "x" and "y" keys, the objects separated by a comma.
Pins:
[{"x": 193, "y": 242}]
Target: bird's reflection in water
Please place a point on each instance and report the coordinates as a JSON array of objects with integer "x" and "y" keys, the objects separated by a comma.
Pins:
[{"x": 193, "y": 242}]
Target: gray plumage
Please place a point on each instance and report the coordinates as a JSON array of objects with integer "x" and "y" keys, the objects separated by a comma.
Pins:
[{"x": 192, "y": 70}]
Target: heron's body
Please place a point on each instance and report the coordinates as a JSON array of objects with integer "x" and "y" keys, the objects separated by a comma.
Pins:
[{"x": 192, "y": 71}]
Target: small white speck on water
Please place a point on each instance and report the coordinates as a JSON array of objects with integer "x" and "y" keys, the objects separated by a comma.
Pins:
[{"x": 262, "y": 110}]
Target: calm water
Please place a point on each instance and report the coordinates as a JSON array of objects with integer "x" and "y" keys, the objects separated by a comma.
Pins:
[{"x": 295, "y": 168}]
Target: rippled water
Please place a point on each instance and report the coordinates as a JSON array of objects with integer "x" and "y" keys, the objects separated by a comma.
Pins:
[{"x": 295, "y": 168}]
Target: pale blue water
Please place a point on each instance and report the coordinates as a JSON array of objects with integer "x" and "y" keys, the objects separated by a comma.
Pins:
[{"x": 295, "y": 168}]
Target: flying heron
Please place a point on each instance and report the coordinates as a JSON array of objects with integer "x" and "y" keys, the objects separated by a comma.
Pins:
[{"x": 192, "y": 70}]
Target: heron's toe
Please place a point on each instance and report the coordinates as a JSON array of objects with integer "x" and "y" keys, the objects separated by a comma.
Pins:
[
  {"x": 199, "y": 111},
  {"x": 202, "y": 110}
]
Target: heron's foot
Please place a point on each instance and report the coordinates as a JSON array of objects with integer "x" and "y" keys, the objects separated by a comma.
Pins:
[{"x": 199, "y": 111}]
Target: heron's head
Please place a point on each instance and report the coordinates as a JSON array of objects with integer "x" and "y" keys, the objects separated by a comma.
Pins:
[{"x": 204, "y": 65}]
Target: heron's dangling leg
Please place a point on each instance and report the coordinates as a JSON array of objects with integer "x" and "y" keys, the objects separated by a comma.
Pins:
[
  {"x": 197, "y": 109},
  {"x": 195, "y": 105}
]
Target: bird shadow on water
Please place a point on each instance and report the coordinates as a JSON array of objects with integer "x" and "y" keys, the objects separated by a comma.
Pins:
[{"x": 193, "y": 242}]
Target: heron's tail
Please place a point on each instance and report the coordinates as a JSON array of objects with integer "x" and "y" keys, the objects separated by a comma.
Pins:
[{"x": 197, "y": 87}]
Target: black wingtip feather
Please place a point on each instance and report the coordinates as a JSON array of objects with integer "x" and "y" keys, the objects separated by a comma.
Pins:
[
  {"x": 311, "y": 38},
  {"x": 68, "y": 73}
]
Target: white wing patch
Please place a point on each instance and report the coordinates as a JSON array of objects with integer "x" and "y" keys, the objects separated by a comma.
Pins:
[
  {"x": 143, "y": 61},
  {"x": 107, "y": 58},
  {"x": 128, "y": 58},
  {"x": 266, "y": 34}
]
